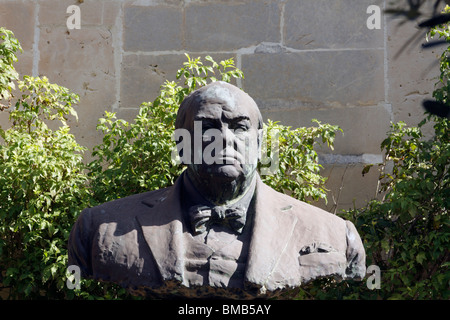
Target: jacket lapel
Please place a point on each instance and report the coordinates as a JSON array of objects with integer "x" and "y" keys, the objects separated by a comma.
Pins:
[
  {"x": 274, "y": 226},
  {"x": 162, "y": 226}
]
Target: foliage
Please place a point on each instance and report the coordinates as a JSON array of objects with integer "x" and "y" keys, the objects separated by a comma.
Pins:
[
  {"x": 291, "y": 154},
  {"x": 8, "y": 48},
  {"x": 42, "y": 187},
  {"x": 411, "y": 237}
]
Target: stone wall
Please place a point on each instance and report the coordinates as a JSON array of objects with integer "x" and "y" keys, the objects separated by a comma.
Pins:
[{"x": 302, "y": 59}]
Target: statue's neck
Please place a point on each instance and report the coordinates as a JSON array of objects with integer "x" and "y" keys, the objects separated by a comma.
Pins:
[{"x": 222, "y": 191}]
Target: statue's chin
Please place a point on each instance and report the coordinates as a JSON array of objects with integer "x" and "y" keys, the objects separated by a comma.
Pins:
[
  {"x": 224, "y": 171},
  {"x": 221, "y": 184},
  {"x": 227, "y": 172}
]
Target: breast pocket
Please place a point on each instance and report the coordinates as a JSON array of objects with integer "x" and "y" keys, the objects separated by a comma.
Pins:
[{"x": 321, "y": 260}]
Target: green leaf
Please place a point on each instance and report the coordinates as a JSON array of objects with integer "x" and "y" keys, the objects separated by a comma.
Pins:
[{"x": 421, "y": 257}]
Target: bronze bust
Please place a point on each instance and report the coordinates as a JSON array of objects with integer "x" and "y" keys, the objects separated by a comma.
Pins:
[{"x": 219, "y": 231}]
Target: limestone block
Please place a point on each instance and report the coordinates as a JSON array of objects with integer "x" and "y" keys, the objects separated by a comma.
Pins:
[
  {"x": 321, "y": 78},
  {"x": 24, "y": 63},
  {"x": 143, "y": 75},
  {"x": 4, "y": 122},
  {"x": 364, "y": 127},
  {"x": 157, "y": 2},
  {"x": 311, "y": 24},
  {"x": 412, "y": 70},
  {"x": 154, "y": 28},
  {"x": 230, "y": 26},
  {"x": 217, "y": 1},
  {"x": 18, "y": 16},
  {"x": 348, "y": 187},
  {"x": 112, "y": 13},
  {"x": 407, "y": 10},
  {"x": 71, "y": 57},
  {"x": 83, "y": 61},
  {"x": 127, "y": 114}
]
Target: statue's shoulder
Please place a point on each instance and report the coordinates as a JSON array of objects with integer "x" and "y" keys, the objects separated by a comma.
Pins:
[
  {"x": 304, "y": 211},
  {"x": 311, "y": 212},
  {"x": 126, "y": 207}
]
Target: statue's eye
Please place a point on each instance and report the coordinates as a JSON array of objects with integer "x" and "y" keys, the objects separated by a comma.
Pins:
[
  {"x": 206, "y": 125},
  {"x": 241, "y": 126}
]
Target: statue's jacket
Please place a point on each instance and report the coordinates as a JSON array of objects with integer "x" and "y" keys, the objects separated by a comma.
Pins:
[{"x": 137, "y": 242}]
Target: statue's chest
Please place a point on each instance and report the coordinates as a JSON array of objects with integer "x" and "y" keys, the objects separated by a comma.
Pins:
[{"x": 216, "y": 258}]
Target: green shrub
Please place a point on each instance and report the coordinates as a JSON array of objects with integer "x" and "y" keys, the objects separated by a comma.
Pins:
[
  {"x": 42, "y": 190},
  {"x": 294, "y": 161}
]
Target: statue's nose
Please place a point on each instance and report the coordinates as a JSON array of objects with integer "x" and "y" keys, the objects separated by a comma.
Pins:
[{"x": 228, "y": 136}]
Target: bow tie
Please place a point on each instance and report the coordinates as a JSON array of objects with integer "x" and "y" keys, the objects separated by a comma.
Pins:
[{"x": 202, "y": 217}]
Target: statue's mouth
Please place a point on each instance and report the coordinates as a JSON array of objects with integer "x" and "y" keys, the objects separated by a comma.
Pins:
[{"x": 227, "y": 160}]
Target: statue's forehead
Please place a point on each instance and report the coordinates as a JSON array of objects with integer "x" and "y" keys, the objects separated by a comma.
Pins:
[
  {"x": 218, "y": 108},
  {"x": 219, "y": 93},
  {"x": 221, "y": 100},
  {"x": 219, "y": 111}
]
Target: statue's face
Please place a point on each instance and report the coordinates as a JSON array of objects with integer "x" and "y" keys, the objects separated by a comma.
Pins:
[{"x": 228, "y": 124}]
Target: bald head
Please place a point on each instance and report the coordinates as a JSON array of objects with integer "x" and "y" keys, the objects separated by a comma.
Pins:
[{"x": 219, "y": 92}]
